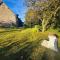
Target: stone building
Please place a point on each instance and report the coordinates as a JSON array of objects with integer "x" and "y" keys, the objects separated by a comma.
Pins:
[{"x": 7, "y": 17}]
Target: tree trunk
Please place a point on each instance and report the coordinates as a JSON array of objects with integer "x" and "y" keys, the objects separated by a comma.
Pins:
[{"x": 43, "y": 26}]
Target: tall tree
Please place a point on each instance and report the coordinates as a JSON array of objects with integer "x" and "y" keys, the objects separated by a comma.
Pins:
[
  {"x": 32, "y": 18},
  {"x": 47, "y": 10}
]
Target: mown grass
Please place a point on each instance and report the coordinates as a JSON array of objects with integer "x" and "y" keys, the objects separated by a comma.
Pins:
[{"x": 26, "y": 45}]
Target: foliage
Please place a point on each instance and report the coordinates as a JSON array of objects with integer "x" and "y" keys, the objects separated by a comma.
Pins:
[
  {"x": 47, "y": 12},
  {"x": 31, "y": 18},
  {"x": 19, "y": 21}
]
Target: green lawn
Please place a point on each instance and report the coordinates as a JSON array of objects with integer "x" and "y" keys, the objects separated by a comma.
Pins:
[{"x": 25, "y": 44}]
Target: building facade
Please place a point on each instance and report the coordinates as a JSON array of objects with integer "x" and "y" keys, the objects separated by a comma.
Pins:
[{"x": 7, "y": 17}]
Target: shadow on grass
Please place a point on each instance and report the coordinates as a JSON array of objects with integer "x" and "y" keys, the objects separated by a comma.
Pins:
[
  {"x": 51, "y": 55},
  {"x": 22, "y": 52}
]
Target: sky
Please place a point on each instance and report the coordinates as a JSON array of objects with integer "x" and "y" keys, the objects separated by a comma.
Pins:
[{"x": 17, "y": 6}]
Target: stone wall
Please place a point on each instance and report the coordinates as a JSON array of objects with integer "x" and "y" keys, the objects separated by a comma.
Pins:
[{"x": 7, "y": 17}]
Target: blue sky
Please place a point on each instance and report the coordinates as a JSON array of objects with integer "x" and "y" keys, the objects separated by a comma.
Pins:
[{"x": 17, "y": 6}]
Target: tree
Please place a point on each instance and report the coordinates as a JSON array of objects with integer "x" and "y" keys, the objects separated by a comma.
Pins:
[
  {"x": 19, "y": 21},
  {"x": 47, "y": 10},
  {"x": 32, "y": 18}
]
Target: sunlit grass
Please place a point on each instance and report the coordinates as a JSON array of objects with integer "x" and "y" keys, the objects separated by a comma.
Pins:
[{"x": 25, "y": 43}]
